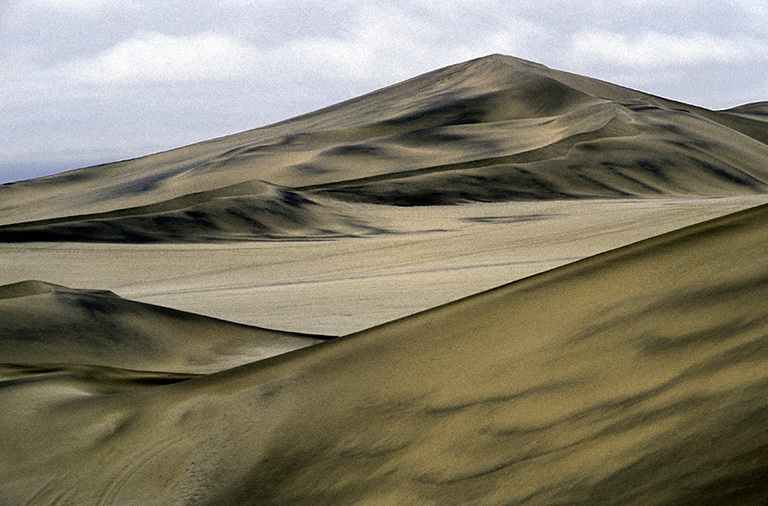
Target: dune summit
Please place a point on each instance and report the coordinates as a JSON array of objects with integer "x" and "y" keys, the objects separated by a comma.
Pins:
[
  {"x": 493, "y": 129},
  {"x": 547, "y": 289}
]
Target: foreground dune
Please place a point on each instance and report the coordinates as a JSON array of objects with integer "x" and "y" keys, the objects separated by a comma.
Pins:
[{"x": 634, "y": 377}]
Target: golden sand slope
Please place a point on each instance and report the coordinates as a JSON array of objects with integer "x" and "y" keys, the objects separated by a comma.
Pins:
[
  {"x": 639, "y": 376},
  {"x": 492, "y": 129},
  {"x": 50, "y": 326}
]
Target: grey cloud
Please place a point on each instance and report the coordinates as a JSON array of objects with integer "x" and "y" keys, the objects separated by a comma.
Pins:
[{"x": 131, "y": 77}]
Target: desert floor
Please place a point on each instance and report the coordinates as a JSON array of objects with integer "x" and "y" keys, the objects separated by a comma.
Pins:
[{"x": 334, "y": 286}]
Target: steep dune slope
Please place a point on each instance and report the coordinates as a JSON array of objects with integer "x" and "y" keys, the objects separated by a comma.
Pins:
[
  {"x": 492, "y": 129},
  {"x": 634, "y": 377}
]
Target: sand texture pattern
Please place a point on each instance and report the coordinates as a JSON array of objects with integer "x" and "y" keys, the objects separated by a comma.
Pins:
[
  {"x": 494, "y": 129},
  {"x": 495, "y": 284}
]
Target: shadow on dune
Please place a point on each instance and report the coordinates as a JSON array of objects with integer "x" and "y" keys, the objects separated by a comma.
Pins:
[
  {"x": 43, "y": 324},
  {"x": 492, "y": 129},
  {"x": 633, "y": 377}
]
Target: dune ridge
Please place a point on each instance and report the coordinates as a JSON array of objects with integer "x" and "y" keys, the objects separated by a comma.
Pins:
[
  {"x": 226, "y": 214},
  {"x": 633, "y": 377},
  {"x": 492, "y": 129}
]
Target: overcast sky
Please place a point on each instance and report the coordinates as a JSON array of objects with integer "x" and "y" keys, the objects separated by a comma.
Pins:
[{"x": 91, "y": 81}]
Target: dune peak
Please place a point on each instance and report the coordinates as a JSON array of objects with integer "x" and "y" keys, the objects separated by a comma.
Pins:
[
  {"x": 496, "y": 128},
  {"x": 27, "y": 288}
]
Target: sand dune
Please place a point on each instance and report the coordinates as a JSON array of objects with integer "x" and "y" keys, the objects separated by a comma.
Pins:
[
  {"x": 549, "y": 290},
  {"x": 245, "y": 211},
  {"x": 634, "y": 377},
  {"x": 756, "y": 111},
  {"x": 492, "y": 129},
  {"x": 49, "y": 325}
]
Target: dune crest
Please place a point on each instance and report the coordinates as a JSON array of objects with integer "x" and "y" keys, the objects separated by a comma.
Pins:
[
  {"x": 26, "y": 289},
  {"x": 492, "y": 129}
]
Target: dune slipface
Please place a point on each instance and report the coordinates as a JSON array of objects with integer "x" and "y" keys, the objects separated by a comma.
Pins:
[{"x": 620, "y": 357}]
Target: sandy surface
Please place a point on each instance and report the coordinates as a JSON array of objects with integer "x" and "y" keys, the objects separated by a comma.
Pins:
[
  {"x": 345, "y": 284},
  {"x": 549, "y": 290}
]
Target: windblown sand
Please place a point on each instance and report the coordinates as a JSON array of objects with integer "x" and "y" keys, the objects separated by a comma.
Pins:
[{"x": 549, "y": 290}]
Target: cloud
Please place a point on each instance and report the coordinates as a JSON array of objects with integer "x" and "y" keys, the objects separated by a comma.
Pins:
[
  {"x": 386, "y": 43},
  {"x": 660, "y": 50},
  {"x": 156, "y": 57},
  {"x": 249, "y": 3},
  {"x": 378, "y": 42},
  {"x": 78, "y": 7}
]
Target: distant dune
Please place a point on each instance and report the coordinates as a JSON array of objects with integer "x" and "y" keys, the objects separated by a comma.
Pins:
[
  {"x": 757, "y": 111},
  {"x": 492, "y": 129},
  {"x": 239, "y": 212},
  {"x": 560, "y": 287}
]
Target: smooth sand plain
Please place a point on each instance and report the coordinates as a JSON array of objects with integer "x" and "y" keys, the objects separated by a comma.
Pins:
[
  {"x": 550, "y": 290},
  {"x": 334, "y": 286}
]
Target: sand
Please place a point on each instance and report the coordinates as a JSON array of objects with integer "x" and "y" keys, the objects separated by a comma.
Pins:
[
  {"x": 340, "y": 285},
  {"x": 548, "y": 290}
]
